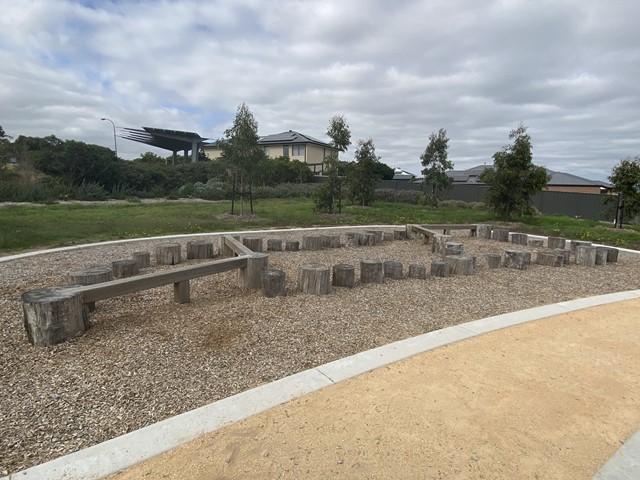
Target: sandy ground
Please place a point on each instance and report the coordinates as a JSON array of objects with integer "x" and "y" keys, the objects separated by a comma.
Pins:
[{"x": 549, "y": 399}]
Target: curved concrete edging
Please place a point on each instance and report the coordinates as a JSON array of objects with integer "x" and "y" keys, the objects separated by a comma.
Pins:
[{"x": 127, "y": 450}]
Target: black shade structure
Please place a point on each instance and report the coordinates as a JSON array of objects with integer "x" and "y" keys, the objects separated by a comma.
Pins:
[{"x": 173, "y": 140}]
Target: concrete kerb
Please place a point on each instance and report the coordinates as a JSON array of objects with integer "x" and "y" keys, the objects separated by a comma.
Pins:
[{"x": 127, "y": 450}]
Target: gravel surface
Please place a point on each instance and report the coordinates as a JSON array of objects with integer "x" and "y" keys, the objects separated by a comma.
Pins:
[{"x": 147, "y": 358}]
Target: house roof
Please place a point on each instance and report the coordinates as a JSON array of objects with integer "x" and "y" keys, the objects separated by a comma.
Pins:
[
  {"x": 557, "y": 178},
  {"x": 174, "y": 140},
  {"x": 291, "y": 138},
  {"x": 399, "y": 174}
]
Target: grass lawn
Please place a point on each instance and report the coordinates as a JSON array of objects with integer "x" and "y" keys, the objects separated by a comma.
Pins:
[{"x": 31, "y": 227}]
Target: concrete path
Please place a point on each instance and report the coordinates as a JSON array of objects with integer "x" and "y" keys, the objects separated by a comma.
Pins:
[{"x": 555, "y": 398}]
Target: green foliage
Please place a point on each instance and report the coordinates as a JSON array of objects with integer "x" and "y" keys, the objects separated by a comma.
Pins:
[
  {"x": 626, "y": 181},
  {"x": 514, "y": 179},
  {"x": 339, "y": 133},
  {"x": 150, "y": 157},
  {"x": 436, "y": 163},
  {"x": 412, "y": 197},
  {"x": 241, "y": 152},
  {"x": 363, "y": 174},
  {"x": 272, "y": 171}
]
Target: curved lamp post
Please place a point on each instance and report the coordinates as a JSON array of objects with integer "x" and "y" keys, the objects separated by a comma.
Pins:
[{"x": 115, "y": 143}]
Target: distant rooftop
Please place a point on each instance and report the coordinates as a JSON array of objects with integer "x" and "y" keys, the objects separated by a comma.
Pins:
[{"x": 292, "y": 138}]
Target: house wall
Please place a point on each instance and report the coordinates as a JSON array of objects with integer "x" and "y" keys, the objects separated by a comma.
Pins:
[{"x": 212, "y": 152}]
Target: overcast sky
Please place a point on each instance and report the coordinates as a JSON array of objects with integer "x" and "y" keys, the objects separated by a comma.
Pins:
[{"x": 397, "y": 70}]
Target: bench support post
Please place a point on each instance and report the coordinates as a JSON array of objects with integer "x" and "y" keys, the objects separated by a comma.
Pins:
[{"x": 181, "y": 292}]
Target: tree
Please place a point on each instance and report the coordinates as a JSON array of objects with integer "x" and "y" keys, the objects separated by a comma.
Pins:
[
  {"x": 626, "y": 181},
  {"x": 514, "y": 179},
  {"x": 339, "y": 133},
  {"x": 326, "y": 194},
  {"x": 363, "y": 175},
  {"x": 241, "y": 153},
  {"x": 436, "y": 164}
]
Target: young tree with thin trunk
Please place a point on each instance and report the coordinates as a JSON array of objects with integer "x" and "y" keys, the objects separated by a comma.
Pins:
[
  {"x": 241, "y": 152},
  {"x": 626, "y": 181},
  {"x": 436, "y": 164},
  {"x": 362, "y": 175},
  {"x": 514, "y": 179}
]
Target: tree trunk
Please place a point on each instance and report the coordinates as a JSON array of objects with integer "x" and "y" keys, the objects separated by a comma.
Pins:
[
  {"x": 273, "y": 283},
  {"x": 586, "y": 255},
  {"x": 312, "y": 242},
  {"x": 439, "y": 268},
  {"x": 143, "y": 259},
  {"x": 519, "y": 238},
  {"x": 392, "y": 270},
  {"x": 198, "y": 250},
  {"x": 371, "y": 271},
  {"x": 417, "y": 271},
  {"x": 344, "y": 275},
  {"x": 254, "y": 244},
  {"x": 460, "y": 264},
  {"x": 493, "y": 260},
  {"x": 516, "y": 259},
  {"x": 125, "y": 268},
  {"x": 500, "y": 234},
  {"x": 313, "y": 279},
  {"x": 168, "y": 254},
  {"x": 274, "y": 245},
  {"x": 483, "y": 231},
  {"x": 550, "y": 259},
  {"x": 53, "y": 315}
]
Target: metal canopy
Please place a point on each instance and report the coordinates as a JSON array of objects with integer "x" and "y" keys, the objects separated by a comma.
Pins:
[{"x": 173, "y": 140}]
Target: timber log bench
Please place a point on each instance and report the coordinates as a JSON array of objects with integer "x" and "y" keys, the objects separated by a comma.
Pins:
[{"x": 56, "y": 314}]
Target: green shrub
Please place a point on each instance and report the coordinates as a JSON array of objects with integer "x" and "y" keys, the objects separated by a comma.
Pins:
[{"x": 413, "y": 197}]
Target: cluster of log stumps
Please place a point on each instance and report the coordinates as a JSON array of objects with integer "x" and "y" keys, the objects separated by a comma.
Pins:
[{"x": 56, "y": 314}]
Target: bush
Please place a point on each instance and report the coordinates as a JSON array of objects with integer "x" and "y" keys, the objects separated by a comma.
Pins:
[{"x": 413, "y": 197}]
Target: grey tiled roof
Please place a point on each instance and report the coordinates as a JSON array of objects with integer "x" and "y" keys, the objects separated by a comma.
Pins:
[
  {"x": 292, "y": 138},
  {"x": 557, "y": 178}
]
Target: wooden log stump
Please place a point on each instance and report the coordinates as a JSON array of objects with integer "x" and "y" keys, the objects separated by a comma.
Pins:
[
  {"x": 500, "y": 234},
  {"x": 550, "y": 259},
  {"x": 612, "y": 255},
  {"x": 439, "y": 268},
  {"x": 54, "y": 315},
  {"x": 274, "y": 245},
  {"x": 409, "y": 232},
  {"x": 483, "y": 230},
  {"x": 536, "y": 243},
  {"x": 225, "y": 250},
  {"x": 388, "y": 237},
  {"x": 143, "y": 259},
  {"x": 417, "y": 270},
  {"x": 353, "y": 239},
  {"x": 273, "y": 283},
  {"x": 91, "y": 276},
  {"x": 168, "y": 254},
  {"x": 399, "y": 234},
  {"x": 332, "y": 241},
  {"x": 198, "y": 250},
  {"x": 494, "y": 260},
  {"x": 313, "y": 279},
  {"x": 586, "y": 255},
  {"x": 312, "y": 242},
  {"x": 371, "y": 271},
  {"x": 292, "y": 246},
  {"x": 601, "y": 256},
  {"x": 453, "y": 248},
  {"x": 251, "y": 275},
  {"x": 519, "y": 238},
  {"x": 392, "y": 270},
  {"x": 255, "y": 244},
  {"x": 439, "y": 242},
  {"x": 556, "y": 242},
  {"x": 459, "y": 264},
  {"x": 367, "y": 239},
  {"x": 578, "y": 243},
  {"x": 378, "y": 234},
  {"x": 516, "y": 259},
  {"x": 125, "y": 268},
  {"x": 566, "y": 254},
  {"x": 344, "y": 275}
]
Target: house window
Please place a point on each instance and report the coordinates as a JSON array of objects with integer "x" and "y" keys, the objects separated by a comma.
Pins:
[
  {"x": 297, "y": 150},
  {"x": 285, "y": 151},
  {"x": 266, "y": 151}
]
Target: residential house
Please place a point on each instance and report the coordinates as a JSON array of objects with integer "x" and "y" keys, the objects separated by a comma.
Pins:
[
  {"x": 560, "y": 181},
  {"x": 294, "y": 145},
  {"x": 399, "y": 174}
]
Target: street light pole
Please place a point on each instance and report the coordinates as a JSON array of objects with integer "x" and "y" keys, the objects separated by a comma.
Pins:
[{"x": 115, "y": 143}]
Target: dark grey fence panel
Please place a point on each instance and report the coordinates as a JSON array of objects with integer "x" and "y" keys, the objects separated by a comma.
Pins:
[{"x": 581, "y": 205}]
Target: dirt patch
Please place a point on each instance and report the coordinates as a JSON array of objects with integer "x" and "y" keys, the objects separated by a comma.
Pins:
[{"x": 550, "y": 399}]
